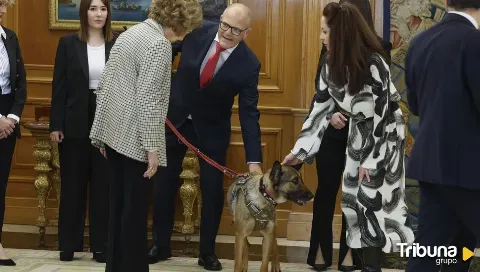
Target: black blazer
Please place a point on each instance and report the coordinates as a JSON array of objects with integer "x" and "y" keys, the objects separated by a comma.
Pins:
[
  {"x": 18, "y": 76},
  {"x": 443, "y": 89},
  {"x": 70, "y": 90},
  {"x": 342, "y": 134},
  {"x": 211, "y": 106}
]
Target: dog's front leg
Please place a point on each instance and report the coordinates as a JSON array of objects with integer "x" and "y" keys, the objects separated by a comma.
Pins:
[
  {"x": 266, "y": 249},
  {"x": 275, "y": 255},
  {"x": 240, "y": 239}
]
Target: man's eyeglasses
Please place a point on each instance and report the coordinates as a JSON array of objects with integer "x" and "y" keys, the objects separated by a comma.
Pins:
[{"x": 235, "y": 30}]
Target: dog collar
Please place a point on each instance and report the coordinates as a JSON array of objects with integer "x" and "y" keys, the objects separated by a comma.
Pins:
[{"x": 266, "y": 195}]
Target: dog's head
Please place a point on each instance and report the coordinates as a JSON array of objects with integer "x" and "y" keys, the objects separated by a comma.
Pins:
[{"x": 288, "y": 184}]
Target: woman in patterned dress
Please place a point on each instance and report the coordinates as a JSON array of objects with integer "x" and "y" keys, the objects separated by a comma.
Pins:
[{"x": 356, "y": 80}]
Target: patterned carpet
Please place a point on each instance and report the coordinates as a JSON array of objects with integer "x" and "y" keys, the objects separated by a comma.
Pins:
[{"x": 47, "y": 261}]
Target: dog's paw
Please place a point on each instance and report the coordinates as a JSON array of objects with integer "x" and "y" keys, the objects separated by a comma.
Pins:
[{"x": 275, "y": 267}]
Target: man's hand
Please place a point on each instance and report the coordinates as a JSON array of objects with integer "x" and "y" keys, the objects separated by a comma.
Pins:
[
  {"x": 338, "y": 121},
  {"x": 152, "y": 164},
  {"x": 56, "y": 136},
  {"x": 6, "y": 126},
  {"x": 255, "y": 168}
]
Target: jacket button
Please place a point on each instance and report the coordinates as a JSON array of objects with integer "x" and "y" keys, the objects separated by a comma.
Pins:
[{"x": 18, "y": 75}]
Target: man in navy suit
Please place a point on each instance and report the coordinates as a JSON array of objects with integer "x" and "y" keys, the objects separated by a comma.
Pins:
[
  {"x": 215, "y": 66},
  {"x": 442, "y": 77}
]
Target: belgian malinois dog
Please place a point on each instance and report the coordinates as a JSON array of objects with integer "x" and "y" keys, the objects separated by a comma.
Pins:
[{"x": 252, "y": 200}]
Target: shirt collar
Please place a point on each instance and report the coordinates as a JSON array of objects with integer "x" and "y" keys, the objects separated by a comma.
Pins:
[
  {"x": 229, "y": 50},
  {"x": 468, "y": 16},
  {"x": 3, "y": 33}
]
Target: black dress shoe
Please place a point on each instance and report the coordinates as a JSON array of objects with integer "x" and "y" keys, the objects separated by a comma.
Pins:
[
  {"x": 7, "y": 262},
  {"x": 346, "y": 268},
  {"x": 99, "y": 257},
  {"x": 66, "y": 256},
  {"x": 318, "y": 267},
  {"x": 209, "y": 262},
  {"x": 157, "y": 254}
]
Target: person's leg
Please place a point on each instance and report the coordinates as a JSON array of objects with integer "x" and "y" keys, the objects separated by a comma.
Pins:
[
  {"x": 74, "y": 173},
  {"x": 7, "y": 148},
  {"x": 133, "y": 235},
  {"x": 464, "y": 238},
  {"x": 165, "y": 191},
  {"x": 330, "y": 162},
  {"x": 100, "y": 180},
  {"x": 211, "y": 187},
  {"x": 114, "y": 248},
  {"x": 437, "y": 224}
]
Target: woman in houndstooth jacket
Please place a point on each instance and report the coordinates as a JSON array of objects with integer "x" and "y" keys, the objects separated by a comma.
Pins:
[{"x": 129, "y": 124}]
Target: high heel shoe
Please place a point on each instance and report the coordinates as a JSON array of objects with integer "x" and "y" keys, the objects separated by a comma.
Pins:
[
  {"x": 318, "y": 267},
  {"x": 7, "y": 262}
]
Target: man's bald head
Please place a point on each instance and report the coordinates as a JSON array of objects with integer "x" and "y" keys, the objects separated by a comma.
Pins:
[
  {"x": 239, "y": 11},
  {"x": 234, "y": 25}
]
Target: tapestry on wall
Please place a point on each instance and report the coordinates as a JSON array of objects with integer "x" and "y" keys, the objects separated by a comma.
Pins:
[{"x": 407, "y": 19}]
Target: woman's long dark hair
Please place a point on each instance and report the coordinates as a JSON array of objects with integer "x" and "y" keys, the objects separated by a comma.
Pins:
[{"x": 351, "y": 44}]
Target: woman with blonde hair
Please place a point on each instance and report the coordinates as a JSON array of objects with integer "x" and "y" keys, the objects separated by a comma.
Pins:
[{"x": 129, "y": 126}]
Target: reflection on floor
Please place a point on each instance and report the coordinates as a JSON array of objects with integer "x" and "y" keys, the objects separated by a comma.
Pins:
[{"x": 47, "y": 261}]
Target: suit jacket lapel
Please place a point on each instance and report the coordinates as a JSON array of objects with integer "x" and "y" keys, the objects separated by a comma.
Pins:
[
  {"x": 82, "y": 56},
  {"x": 206, "y": 43},
  {"x": 230, "y": 62},
  {"x": 10, "y": 47}
]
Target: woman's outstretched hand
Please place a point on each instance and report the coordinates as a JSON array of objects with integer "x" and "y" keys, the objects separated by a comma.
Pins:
[{"x": 290, "y": 160}]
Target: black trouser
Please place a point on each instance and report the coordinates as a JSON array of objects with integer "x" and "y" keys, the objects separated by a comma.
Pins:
[
  {"x": 464, "y": 238},
  {"x": 330, "y": 162},
  {"x": 127, "y": 230},
  {"x": 166, "y": 187},
  {"x": 7, "y": 147},
  {"x": 443, "y": 212},
  {"x": 83, "y": 169}
]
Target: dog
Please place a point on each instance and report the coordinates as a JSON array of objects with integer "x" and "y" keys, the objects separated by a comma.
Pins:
[{"x": 252, "y": 200}]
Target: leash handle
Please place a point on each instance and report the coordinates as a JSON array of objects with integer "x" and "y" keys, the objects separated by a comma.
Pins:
[{"x": 230, "y": 173}]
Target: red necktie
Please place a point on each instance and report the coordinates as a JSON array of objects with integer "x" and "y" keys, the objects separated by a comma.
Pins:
[{"x": 209, "y": 69}]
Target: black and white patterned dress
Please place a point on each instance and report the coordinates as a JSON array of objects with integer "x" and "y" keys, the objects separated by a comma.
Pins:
[{"x": 376, "y": 212}]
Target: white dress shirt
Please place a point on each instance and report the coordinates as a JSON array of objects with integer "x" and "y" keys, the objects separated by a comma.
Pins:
[
  {"x": 96, "y": 64},
  {"x": 5, "y": 71},
  {"x": 468, "y": 16}
]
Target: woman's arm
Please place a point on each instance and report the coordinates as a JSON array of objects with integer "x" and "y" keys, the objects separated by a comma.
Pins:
[
  {"x": 314, "y": 127},
  {"x": 59, "y": 93}
]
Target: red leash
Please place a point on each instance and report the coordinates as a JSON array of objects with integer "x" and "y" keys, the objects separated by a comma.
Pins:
[{"x": 225, "y": 170}]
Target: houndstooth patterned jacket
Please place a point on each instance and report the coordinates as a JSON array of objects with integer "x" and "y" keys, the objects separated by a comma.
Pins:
[{"x": 133, "y": 94}]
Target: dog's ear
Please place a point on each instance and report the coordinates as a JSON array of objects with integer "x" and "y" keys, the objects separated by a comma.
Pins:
[{"x": 276, "y": 173}]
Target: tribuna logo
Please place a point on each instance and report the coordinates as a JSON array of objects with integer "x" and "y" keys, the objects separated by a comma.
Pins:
[{"x": 441, "y": 254}]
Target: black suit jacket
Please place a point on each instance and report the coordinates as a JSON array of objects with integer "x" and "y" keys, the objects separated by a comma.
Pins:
[
  {"x": 70, "y": 87},
  {"x": 443, "y": 89},
  {"x": 211, "y": 106},
  {"x": 18, "y": 77},
  {"x": 342, "y": 134}
]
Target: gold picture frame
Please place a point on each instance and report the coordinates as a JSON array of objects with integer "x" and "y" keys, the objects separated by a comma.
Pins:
[{"x": 61, "y": 18}]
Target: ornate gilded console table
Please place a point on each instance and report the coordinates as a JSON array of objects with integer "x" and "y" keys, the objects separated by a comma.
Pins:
[{"x": 48, "y": 176}]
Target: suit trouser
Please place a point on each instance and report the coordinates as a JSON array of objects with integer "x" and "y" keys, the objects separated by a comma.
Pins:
[
  {"x": 330, "y": 163},
  {"x": 443, "y": 211},
  {"x": 166, "y": 187},
  {"x": 84, "y": 172},
  {"x": 464, "y": 238},
  {"x": 7, "y": 148},
  {"x": 83, "y": 169},
  {"x": 127, "y": 229}
]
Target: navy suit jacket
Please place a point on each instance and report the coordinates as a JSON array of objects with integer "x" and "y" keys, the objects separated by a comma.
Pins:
[
  {"x": 443, "y": 82},
  {"x": 211, "y": 106}
]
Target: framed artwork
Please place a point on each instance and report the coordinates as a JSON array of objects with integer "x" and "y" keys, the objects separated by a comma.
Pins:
[{"x": 63, "y": 14}]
